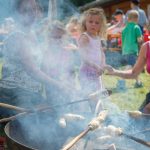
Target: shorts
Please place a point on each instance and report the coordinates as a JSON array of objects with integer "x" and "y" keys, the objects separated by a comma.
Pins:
[{"x": 130, "y": 59}]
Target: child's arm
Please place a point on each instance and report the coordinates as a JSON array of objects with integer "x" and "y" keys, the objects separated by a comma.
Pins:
[
  {"x": 140, "y": 40},
  {"x": 83, "y": 49}
]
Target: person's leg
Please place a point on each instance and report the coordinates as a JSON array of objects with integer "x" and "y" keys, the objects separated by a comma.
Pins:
[
  {"x": 146, "y": 109},
  {"x": 145, "y": 103},
  {"x": 132, "y": 60}
]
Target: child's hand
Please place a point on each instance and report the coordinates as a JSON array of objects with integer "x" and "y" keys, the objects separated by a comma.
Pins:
[
  {"x": 71, "y": 47},
  {"x": 100, "y": 71},
  {"x": 109, "y": 70}
]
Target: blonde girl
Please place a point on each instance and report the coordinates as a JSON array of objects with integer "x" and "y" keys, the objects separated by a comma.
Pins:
[{"x": 93, "y": 27}]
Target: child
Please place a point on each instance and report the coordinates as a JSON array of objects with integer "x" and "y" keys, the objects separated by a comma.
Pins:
[
  {"x": 131, "y": 39},
  {"x": 56, "y": 60},
  {"x": 93, "y": 26},
  {"x": 72, "y": 28}
]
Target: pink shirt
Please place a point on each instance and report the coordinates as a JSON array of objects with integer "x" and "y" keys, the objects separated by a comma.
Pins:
[{"x": 148, "y": 57}]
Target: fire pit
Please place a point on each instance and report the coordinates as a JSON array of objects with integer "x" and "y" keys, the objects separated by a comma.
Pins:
[{"x": 37, "y": 132}]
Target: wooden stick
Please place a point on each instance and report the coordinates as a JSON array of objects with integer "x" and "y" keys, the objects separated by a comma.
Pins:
[
  {"x": 142, "y": 131},
  {"x": 8, "y": 106},
  {"x": 28, "y": 111},
  {"x": 145, "y": 115},
  {"x": 21, "y": 114},
  {"x": 92, "y": 126},
  {"x": 137, "y": 140},
  {"x": 106, "y": 148},
  {"x": 137, "y": 114},
  {"x": 13, "y": 117},
  {"x": 76, "y": 139}
]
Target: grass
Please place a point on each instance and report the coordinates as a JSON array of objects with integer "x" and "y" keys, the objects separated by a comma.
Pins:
[{"x": 131, "y": 98}]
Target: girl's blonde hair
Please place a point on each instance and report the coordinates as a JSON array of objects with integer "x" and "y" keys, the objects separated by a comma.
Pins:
[{"x": 103, "y": 22}]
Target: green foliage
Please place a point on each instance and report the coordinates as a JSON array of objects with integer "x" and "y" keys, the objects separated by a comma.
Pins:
[
  {"x": 131, "y": 98},
  {"x": 80, "y": 2}
]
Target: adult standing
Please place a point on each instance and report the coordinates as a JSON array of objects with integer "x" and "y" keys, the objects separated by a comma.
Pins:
[
  {"x": 22, "y": 77},
  {"x": 143, "y": 21},
  {"x": 120, "y": 19}
]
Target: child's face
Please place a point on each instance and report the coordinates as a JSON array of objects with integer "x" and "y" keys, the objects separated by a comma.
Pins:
[
  {"x": 74, "y": 30},
  {"x": 92, "y": 24}
]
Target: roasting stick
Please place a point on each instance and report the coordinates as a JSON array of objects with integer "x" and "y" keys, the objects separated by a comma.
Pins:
[
  {"x": 12, "y": 107},
  {"x": 118, "y": 148},
  {"x": 42, "y": 108},
  {"x": 13, "y": 117},
  {"x": 24, "y": 111},
  {"x": 94, "y": 124},
  {"x": 137, "y": 140},
  {"x": 18, "y": 115},
  {"x": 76, "y": 139},
  {"x": 121, "y": 133},
  {"x": 137, "y": 114},
  {"x": 142, "y": 131},
  {"x": 20, "y": 109}
]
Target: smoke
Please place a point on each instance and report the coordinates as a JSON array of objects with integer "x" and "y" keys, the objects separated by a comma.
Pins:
[
  {"x": 5, "y": 9},
  {"x": 42, "y": 130}
]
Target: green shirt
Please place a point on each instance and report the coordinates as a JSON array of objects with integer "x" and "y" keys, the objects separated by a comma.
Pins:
[{"x": 130, "y": 34}]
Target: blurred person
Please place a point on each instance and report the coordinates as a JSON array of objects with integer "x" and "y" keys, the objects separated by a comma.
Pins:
[
  {"x": 9, "y": 24},
  {"x": 131, "y": 39},
  {"x": 113, "y": 21},
  {"x": 93, "y": 25},
  {"x": 143, "y": 59},
  {"x": 119, "y": 24},
  {"x": 22, "y": 76},
  {"x": 57, "y": 62},
  {"x": 73, "y": 28},
  {"x": 143, "y": 20},
  {"x": 114, "y": 31},
  {"x": 73, "y": 31},
  {"x": 41, "y": 29}
]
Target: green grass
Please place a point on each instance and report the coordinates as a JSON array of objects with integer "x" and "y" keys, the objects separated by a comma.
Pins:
[{"x": 131, "y": 98}]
